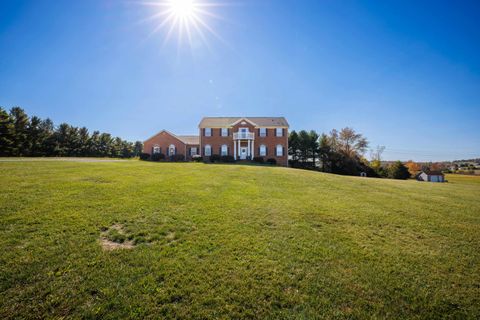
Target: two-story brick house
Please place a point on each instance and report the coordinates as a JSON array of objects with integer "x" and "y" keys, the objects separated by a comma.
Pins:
[
  {"x": 242, "y": 138},
  {"x": 245, "y": 137}
]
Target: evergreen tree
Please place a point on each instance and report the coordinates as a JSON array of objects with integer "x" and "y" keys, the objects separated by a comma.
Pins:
[
  {"x": 138, "y": 148},
  {"x": 6, "y": 133},
  {"x": 20, "y": 124},
  {"x": 324, "y": 151},
  {"x": 35, "y": 137},
  {"x": 47, "y": 132},
  {"x": 84, "y": 142},
  {"x": 313, "y": 146},
  {"x": 293, "y": 145},
  {"x": 398, "y": 171}
]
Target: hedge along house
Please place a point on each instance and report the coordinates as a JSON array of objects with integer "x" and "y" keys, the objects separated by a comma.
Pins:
[
  {"x": 170, "y": 144},
  {"x": 244, "y": 138}
]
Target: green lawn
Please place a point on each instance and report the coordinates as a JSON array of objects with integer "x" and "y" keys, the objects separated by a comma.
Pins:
[{"x": 226, "y": 241}]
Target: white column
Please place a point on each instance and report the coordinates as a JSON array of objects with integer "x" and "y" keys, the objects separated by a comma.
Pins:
[
  {"x": 248, "y": 148},
  {"x": 235, "y": 149},
  {"x": 253, "y": 148}
]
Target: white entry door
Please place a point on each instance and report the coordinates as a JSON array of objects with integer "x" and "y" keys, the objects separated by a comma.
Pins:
[{"x": 243, "y": 153}]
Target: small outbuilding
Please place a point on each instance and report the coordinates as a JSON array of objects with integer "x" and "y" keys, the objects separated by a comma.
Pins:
[{"x": 431, "y": 176}]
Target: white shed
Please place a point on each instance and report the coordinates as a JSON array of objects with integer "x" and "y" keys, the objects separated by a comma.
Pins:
[{"x": 431, "y": 176}]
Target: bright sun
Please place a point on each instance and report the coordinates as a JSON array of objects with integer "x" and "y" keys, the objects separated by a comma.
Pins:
[
  {"x": 183, "y": 9},
  {"x": 185, "y": 18}
]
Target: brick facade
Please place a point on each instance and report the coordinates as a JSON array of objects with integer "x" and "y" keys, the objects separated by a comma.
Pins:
[
  {"x": 247, "y": 145},
  {"x": 270, "y": 141},
  {"x": 164, "y": 140}
]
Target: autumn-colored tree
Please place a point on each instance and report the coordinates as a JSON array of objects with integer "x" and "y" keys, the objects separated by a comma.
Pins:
[
  {"x": 437, "y": 166},
  {"x": 413, "y": 167}
]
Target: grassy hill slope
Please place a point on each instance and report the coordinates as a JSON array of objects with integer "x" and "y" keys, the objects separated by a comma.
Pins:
[{"x": 226, "y": 241}]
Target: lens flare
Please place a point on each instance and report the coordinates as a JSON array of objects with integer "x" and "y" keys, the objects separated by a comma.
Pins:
[{"x": 185, "y": 18}]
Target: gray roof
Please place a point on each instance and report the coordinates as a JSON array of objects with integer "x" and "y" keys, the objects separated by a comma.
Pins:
[
  {"x": 189, "y": 139},
  {"x": 212, "y": 122}
]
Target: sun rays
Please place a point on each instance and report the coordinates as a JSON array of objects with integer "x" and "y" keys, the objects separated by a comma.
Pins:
[{"x": 187, "y": 19}]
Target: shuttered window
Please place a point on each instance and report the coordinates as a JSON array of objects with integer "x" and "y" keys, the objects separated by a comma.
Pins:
[
  {"x": 224, "y": 150},
  {"x": 279, "y": 152},
  {"x": 263, "y": 150},
  {"x": 208, "y": 150}
]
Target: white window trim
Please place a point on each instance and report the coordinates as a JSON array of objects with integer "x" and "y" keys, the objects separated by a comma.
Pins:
[
  {"x": 224, "y": 150},
  {"x": 224, "y": 134},
  {"x": 172, "y": 146},
  {"x": 209, "y": 148},
  {"x": 263, "y": 153},
  {"x": 264, "y": 134},
  {"x": 278, "y": 148},
  {"x": 156, "y": 149},
  {"x": 209, "y": 130},
  {"x": 277, "y": 131},
  {"x": 193, "y": 151}
]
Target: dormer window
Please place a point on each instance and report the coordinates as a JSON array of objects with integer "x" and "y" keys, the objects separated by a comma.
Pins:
[{"x": 208, "y": 132}]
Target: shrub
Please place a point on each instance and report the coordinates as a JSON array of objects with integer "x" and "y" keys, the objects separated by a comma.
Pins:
[
  {"x": 158, "y": 156},
  {"x": 398, "y": 171},
  {"x": 144, "y": 156},
  {"x": 258, "y": 159},
  {"x": 227, "y": 158},
  {"x": 215, "y": 158},
  {"x": 177, "y": 157},
  {"x": 197, "y": 158},
  {"x": 271, "y": 161}
]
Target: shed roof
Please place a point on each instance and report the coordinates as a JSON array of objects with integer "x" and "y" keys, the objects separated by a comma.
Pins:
[{"x": 434, "y": 173}]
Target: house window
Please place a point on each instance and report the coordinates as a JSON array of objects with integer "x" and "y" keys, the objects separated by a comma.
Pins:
[
  {"x": 171, "y": 150},
  {"x": 224, "y": 132},
  {"x": 243, "y": 130},
  {"x": 224, "y": 150},
  {"x": 208, "y": 132},
  {"x": 193, "y": 151},
  {"x": 279, "y": 132},
  {"x": 279, "y": 150},
  {"x": 156, "y": 149},
  {"x": 263, "y": 132},
  {"x": 263, "y": 150},
  {"x": 208, "y": 150}
]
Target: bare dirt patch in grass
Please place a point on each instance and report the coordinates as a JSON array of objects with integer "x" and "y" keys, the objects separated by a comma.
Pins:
[{"x": 114, "y": 238}]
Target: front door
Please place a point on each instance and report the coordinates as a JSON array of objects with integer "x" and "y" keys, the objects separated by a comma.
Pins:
[{"x": 243, "y": 153}]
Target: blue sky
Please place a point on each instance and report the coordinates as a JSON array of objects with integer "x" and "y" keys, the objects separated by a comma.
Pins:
[{"x": 405, "y": 74}]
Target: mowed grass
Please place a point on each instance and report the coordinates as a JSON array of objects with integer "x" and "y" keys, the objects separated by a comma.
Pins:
[{"x": 231, "y": 241}]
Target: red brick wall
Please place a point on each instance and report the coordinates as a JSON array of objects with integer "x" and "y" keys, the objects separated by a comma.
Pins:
[
  {"x": 216, "y": 141},
  {"x": 271, "y": 141},
  {"x": 164, "y": 140}
]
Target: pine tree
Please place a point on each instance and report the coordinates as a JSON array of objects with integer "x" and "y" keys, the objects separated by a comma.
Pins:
[
  {"x": 6, "y": 133},
  {"x": 20, "y": 124},
  {"x": 398, "y": 171},
  {"x": 34, "y": 137}
]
